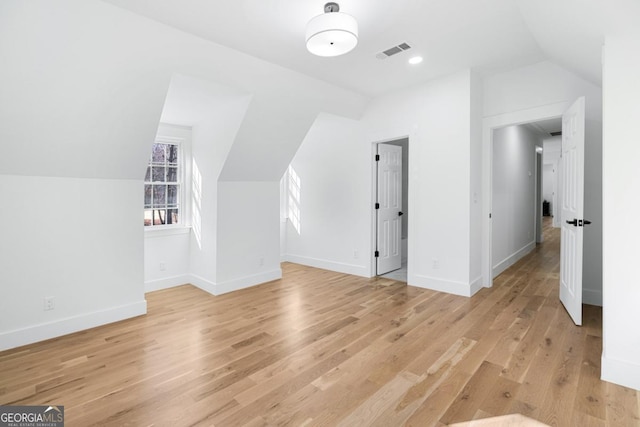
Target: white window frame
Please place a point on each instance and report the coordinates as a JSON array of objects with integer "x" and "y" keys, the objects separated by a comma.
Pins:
[{"x": 165, "y": 136}]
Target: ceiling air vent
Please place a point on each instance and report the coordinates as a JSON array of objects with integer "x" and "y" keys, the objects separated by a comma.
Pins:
[
  {"x": 393, "y": 50},
  {"x": 556, "y": 133}
]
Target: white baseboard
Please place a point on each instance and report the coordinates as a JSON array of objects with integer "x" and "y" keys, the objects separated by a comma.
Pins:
[
  {"x": 441, "y": 285},
  {"x": 340, "y": 267},
  {"x": 247, "y": 281},
  {"x": 476, "y": 285},
  {"x": 619, "y": 372},
  {"x": 56, "y": 328},
  {"x": 214, "y": 288},
  {"x": 167, "y": 282},
  {"x": 202, "y": 283},
  {"x": 592, "y": 297},
  {"x": 512, "y": 259}
]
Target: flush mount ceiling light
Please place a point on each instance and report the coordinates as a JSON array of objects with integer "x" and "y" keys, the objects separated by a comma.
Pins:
[
  {"x": 333, "y": 33},
  {"x": 415, "y": 60}
]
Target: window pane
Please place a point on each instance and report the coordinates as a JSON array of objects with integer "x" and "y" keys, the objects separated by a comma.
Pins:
[
  {"x": 147, "y": 217},
  {"x": 147, "y": 196},
  {"x": 172, "y": 154},
  {"x": 159, "y": 216},
  {"x": 159, "y": 196},
  {"x": 161, "y": 201},
  {"x": 173, "y": 216},
  {"x": 172, "y": 195},
  {"x": 172, "y": 174},
  {"x": 158, "y": 174},
  {"x": 158, "y": 153}
]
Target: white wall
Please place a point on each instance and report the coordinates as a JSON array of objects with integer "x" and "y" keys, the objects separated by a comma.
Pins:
[
  {"x": 88, "y": 107},
  {"x": 436, "y": 117},
  {"x": 514, "y": 210},
  {"x": 166, "y": 258},
  {"x": 621, "y": 185},
  {"x": 548, "y": 178},
  {"x": 215, "y": 113},
  {"x": 551, "y": 160},
  {"x": 592, "y": 283},
  {"x": 248, "y": 244},
  {"x": 78, "y": 240},
  {"x": 334, "y": 167},
  {"x": 166, "y": 252},
  {"x": 476, "y": 193},
  {"x": 543, "y": 85}
]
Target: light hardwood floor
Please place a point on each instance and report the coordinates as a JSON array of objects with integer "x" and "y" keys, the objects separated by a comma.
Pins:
[{"x": 323, "y": 348}]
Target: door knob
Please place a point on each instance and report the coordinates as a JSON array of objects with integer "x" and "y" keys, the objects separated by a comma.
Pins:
[
  {"x": 400, "y": 213},
  {"x": 574, "y": 222},
  {"x": 586, "y": 222}
]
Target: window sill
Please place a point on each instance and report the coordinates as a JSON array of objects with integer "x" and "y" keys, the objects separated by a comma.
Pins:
[{"x": 162, "y": 231}]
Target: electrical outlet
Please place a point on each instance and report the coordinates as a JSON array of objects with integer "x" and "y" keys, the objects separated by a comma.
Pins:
[
  {"x": 48, "y": 303},
  {"x": 435, "y": 263},
  {"x": 163, "y": 266},
  {"x": 261, "y": 261},
  {"x": 355, "y": 254}
]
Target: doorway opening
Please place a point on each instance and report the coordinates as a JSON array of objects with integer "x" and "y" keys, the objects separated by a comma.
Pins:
[
  {"x": 391, "y": 208},
  {"x": 571, "y": 191},
  {"x": 517, "y": 189},
  {"x": 490, "y": 124}
]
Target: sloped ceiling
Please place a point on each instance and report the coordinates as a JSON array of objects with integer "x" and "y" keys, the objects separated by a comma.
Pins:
[
  {"x": 485, "y": 35},
  {"x": 569, "y": 32}
]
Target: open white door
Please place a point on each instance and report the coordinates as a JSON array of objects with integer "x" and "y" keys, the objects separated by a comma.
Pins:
[
  {"x": 572, "y": 209},
  {"x": 389, "y": 208}
]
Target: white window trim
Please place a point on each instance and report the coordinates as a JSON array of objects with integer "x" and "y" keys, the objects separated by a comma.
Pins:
[{"x": 184, "y": 144}]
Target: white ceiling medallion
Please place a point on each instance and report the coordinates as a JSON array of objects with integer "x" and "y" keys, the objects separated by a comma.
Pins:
[{"x": 333, "y": 33}]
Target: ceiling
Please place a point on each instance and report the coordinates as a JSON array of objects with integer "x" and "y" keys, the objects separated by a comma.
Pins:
[
  {"x": 545, "y": 128},
  {"x": 485, "y": 35}
]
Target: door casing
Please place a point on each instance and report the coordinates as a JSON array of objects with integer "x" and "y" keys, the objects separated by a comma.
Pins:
[{"x": 489, "y": 124}]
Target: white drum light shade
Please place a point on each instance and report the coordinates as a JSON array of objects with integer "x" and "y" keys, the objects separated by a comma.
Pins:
[{"x": 332, "y": 33}]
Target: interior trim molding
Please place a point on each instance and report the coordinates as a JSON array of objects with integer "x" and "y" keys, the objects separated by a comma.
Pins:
[
  {"x": 442, "y": 285},
  {"x": 340, "y": 267},
  {"x": 620, "y": 372},
  {"x": 247, "y": 281},
  {"x": 167, "y": 282},
  {"x": 513, "y": 258},
  {"x": 69, "y": 325}
]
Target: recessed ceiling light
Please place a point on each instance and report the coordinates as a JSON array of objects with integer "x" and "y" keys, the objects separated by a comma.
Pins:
[{"x": 414, "y": 60}]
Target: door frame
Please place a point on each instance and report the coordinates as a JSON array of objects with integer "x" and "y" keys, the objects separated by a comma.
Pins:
[
  {"x": 538, "y": 196},
  {"x": 489, "y": 124},
  {"x": 374, "y": 194}
]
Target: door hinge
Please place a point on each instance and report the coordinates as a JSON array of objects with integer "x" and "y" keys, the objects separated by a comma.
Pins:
[
  {"x": 489, "y": 215},
  {"x": 377, "y": 205},
  {"x": 377, "y": 157},
  {"x": 376, "y": 254}
]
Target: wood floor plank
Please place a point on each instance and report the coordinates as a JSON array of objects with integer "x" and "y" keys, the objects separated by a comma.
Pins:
[
  {"x": 472, "y": 395},
  {"x": 320, "y": 348}
]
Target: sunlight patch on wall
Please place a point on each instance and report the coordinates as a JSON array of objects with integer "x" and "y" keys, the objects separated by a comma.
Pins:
[
  {"x": 196, "y": 203},
  {"x": 293, "y": 199}
]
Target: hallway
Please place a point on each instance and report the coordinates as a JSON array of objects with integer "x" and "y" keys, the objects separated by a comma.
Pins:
[{"x": 324, "y": 348}]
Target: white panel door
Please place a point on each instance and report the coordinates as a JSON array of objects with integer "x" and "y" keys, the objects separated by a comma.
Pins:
[
  {"x": 572, "y": 210},
  {"x": 389, "y": 208}
]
